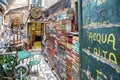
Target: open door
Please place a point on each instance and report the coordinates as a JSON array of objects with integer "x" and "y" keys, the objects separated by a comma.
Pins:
[{"x": 35, "y": 34}]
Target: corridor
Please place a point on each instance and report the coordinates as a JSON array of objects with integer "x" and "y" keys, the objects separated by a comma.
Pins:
[{"x": 42, "y": 71}]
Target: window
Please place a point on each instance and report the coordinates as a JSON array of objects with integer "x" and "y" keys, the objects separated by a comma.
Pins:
[{"x": 36, "y": 2}]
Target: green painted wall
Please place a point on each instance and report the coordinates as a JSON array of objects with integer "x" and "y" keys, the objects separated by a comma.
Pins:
[{"x": 100, "y": 40}]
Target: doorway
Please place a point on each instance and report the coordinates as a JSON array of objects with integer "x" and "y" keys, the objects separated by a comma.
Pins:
[{"x": 36, "y": 33}]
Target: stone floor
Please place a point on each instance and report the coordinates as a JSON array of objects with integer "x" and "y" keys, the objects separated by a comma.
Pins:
[{"x": 41, "y": 71}]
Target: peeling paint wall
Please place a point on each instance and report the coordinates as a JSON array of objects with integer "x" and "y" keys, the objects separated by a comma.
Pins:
[
  {"x": 18, "y": 3},
  {"x": 49, "y": 3},
  {"x": 100, "y": 42}
]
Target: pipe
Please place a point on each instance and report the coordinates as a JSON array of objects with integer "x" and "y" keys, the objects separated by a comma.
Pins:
[{"x": 80, "y": 36}]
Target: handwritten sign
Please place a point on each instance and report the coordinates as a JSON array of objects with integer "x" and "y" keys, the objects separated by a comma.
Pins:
[{"x": 100, "y": 40}]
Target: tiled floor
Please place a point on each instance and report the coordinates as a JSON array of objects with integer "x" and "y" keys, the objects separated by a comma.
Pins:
[{"x": 41, "y": 71}]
